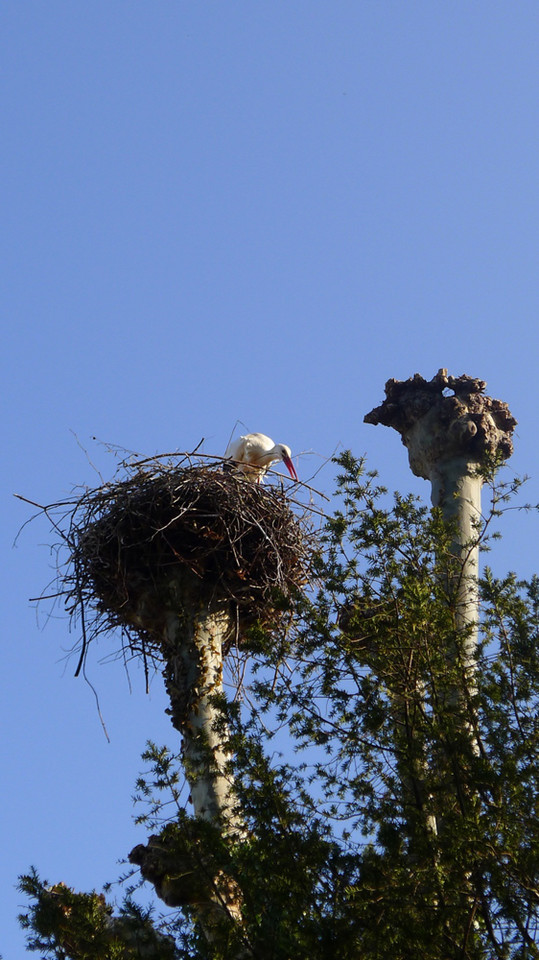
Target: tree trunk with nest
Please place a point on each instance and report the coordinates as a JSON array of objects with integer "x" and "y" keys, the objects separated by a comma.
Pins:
[{"x": 184, "y": 558}]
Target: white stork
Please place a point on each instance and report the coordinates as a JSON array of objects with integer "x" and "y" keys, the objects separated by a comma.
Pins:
[{"x": 254, "y": 454}]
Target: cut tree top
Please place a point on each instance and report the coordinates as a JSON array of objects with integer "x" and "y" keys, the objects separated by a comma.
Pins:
[{"x": 445, "y": 418}]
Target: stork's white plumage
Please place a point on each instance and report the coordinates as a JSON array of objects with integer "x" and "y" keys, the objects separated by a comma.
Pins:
[{"x": 254, "y": 454}]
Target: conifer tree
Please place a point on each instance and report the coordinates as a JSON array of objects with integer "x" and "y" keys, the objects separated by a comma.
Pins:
[{"x": 385, "y": 766}]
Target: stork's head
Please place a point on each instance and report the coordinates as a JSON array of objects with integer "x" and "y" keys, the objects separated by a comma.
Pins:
[{"x": 285, "y": 454}]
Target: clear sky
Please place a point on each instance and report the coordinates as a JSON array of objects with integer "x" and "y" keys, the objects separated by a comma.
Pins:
[{"x": 219, "y": 211}]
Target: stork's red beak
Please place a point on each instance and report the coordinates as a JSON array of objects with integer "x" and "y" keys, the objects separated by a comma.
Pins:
[{"x": 290, "y": 467}]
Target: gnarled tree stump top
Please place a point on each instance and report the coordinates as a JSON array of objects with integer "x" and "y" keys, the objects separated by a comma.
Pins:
[{"x": 445, "y": 418}]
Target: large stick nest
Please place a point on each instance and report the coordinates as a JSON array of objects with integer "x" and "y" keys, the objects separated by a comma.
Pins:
[{"x": 172, "y": 538}]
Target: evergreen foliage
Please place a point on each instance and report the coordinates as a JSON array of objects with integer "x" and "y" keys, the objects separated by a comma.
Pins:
[
  {"x": 405, "y": 824},
  {"x": 65, "y": 924}
]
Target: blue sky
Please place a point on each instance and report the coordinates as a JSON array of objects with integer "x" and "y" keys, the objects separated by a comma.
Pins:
[{"x": 212, "y": 212}]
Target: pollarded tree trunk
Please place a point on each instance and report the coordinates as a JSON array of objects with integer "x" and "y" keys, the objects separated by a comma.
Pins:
[
  {"x": 456, "y": 489},
  {"x": 182, "y": 867},
  {"x": 451, "y": 431},
  {"x": 193, "y": 648}
]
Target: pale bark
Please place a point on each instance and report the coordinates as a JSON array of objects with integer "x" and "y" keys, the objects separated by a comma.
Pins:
[
  {"x": 456, "y": 489},
  {"x": 194, "y": 678},
  {"x": 193, "y": 651},
  {"x": 451, "y": 430}
]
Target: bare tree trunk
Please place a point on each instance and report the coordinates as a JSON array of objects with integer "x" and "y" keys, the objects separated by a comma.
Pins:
[
  {"x": 183, "y": 869},
  {"x": 456, "y": 488},
  {"x": 450, "y": 430},
  {"x": 194, "y": 679}
]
